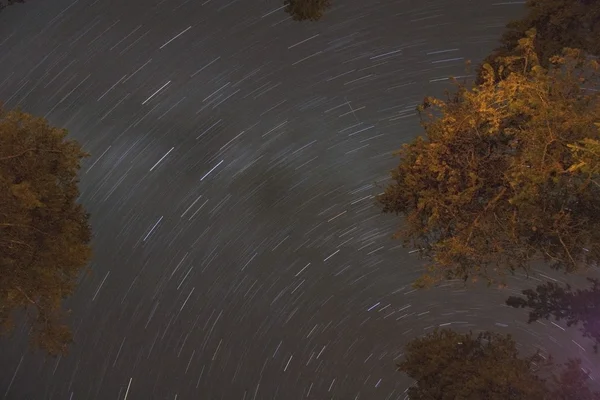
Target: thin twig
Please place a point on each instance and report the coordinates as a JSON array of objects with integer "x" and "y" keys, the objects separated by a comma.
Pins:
[
  {"x": 17, "y": 155},
  {"x": 22, "y": 226},
  {"x": 567, "y": 250},
  {"x": 27, "y": 297}
]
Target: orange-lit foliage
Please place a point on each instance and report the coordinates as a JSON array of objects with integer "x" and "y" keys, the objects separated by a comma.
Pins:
[
  {"x": 44, "y": 233},
  {"x": 306, "y": 10},
  {"x": 507, "y": 171}
]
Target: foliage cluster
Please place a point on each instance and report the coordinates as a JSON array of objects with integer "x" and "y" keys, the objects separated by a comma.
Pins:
[
  {"x": 447, "y": 365},
  {"x": 307, "y": 10},
  {"x": 507, "y": 171}
]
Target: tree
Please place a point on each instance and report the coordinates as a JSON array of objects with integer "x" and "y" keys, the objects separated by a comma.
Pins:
[
  {"x": 559, "y": 24},
  {"x": 306, "y": 10},
  {"x": 552, "y": 300},
  {"x": 447, "y": 365},
  {"x": 507, "y": 172},
  {"x": 44, "y": 234}
]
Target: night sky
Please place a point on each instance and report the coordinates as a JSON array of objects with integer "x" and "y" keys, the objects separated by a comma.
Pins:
[{"x": 235, "y": 155}]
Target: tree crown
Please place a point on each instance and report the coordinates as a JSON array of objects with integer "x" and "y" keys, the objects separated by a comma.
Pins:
[
  {"x": 44, "y": 233},
  {"x": 507, "y": 171}
]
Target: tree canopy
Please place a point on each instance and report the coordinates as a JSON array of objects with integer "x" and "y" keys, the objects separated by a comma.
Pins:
[
  {"x": 507, "y": 171},
  {"x": 44, "y": 234},
  {"x": 447, "y": 365},
  {"x": 306, "y": 10},
  {"x": 453, "y": 366}
]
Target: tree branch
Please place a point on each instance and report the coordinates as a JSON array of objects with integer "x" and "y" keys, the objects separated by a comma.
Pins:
[
  {"x": 27, "y": 297},
  {"x": 22, "y": 226},
  {"x": 487, "y": 207},
  {"x": 20, "y": 243},
  {"x": 17, "y": 155},
  {"x": 566, "y": 249},
  {"x": 28, "y": 150}
]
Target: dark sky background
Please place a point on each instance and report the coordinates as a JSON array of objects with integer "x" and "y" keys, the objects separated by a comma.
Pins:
[{"x": 235, "y": 156}]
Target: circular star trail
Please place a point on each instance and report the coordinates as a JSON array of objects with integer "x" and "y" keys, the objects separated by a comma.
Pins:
[{"x": 235, "y": 155}]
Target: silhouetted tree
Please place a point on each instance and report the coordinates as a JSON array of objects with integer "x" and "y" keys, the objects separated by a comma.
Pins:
[
  {"x": 562, "y": 303},
  {"x": 507, "y": 172},
  {"x": 306, "y": 10},
  {"x": 44, "y": 233}
]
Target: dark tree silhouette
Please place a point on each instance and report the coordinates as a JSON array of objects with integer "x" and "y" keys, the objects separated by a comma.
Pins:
[{"x": 562, "y": 303}]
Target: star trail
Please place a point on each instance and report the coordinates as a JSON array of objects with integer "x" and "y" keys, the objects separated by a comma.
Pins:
[{"x": 235, "y": 156}]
